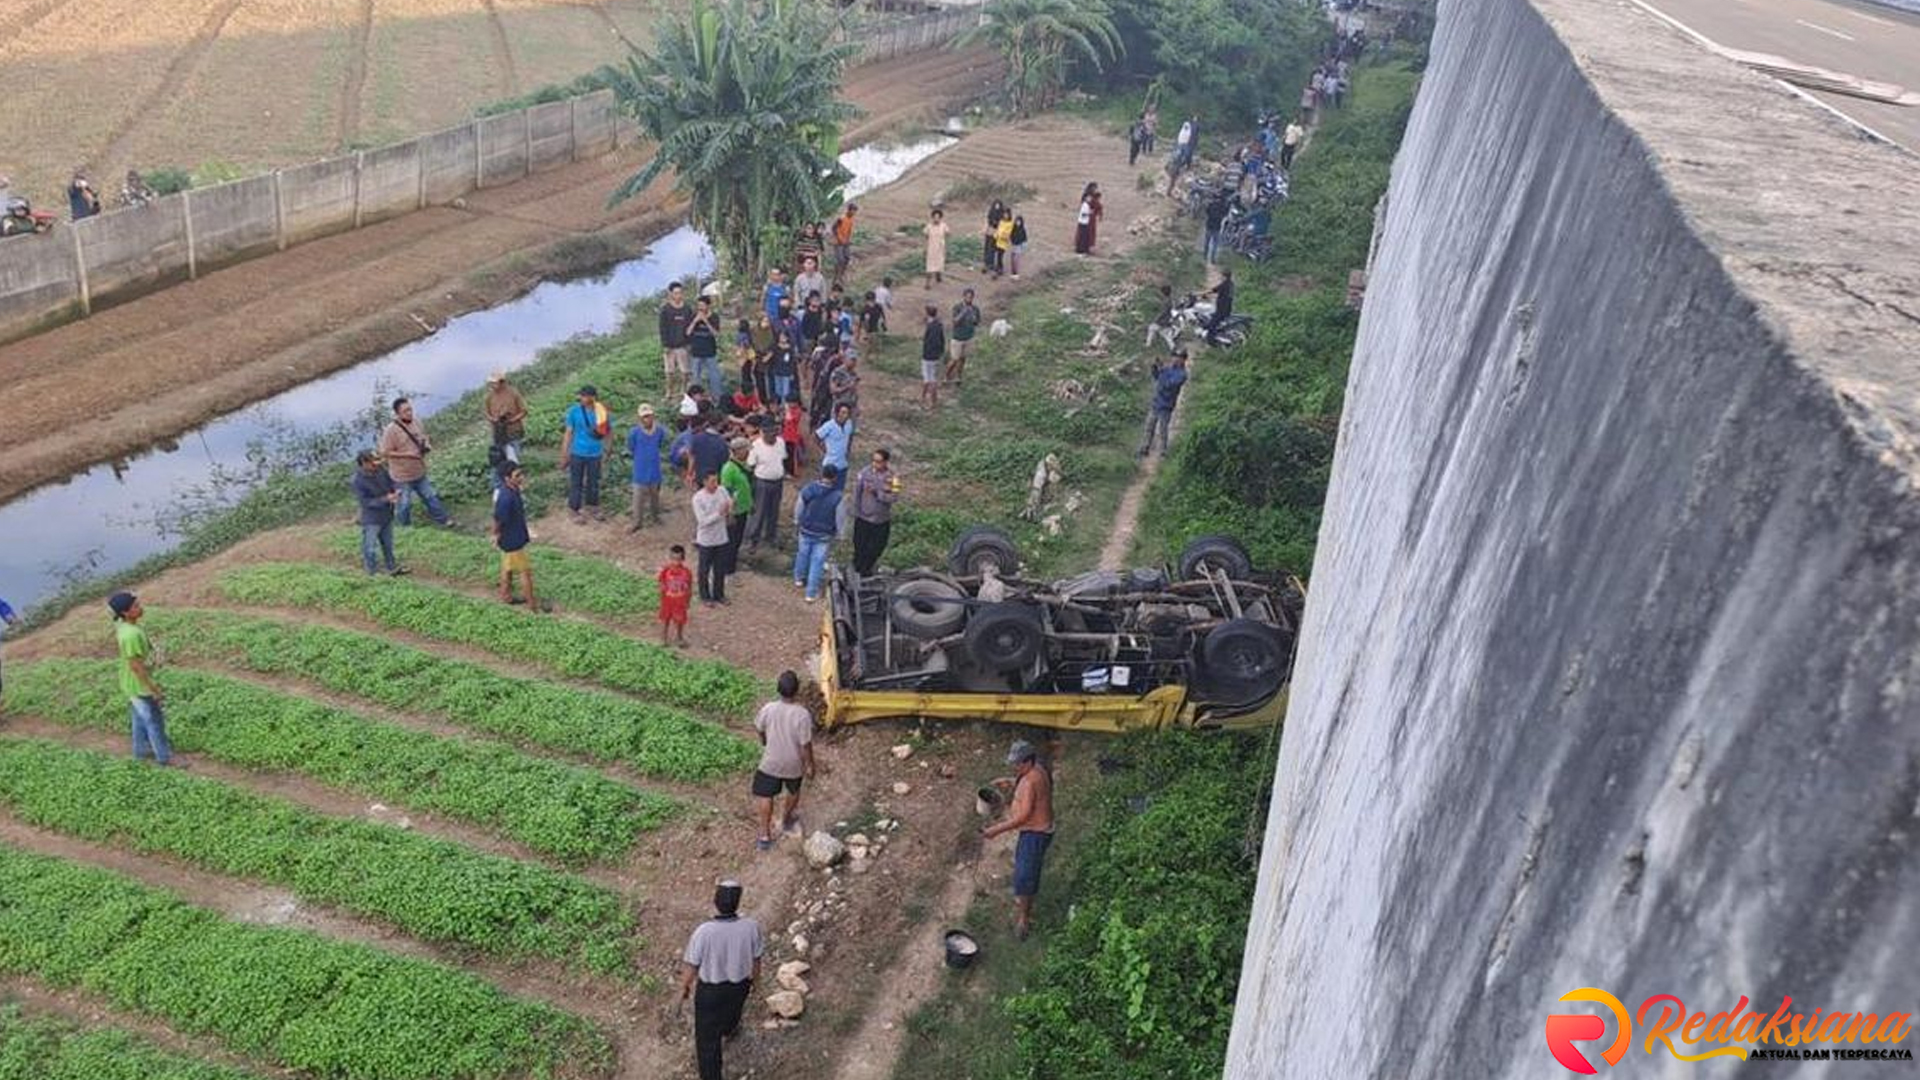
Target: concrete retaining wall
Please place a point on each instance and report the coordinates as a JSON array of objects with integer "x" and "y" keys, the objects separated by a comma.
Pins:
[
  {"x": 390, "y": 181},
  {"x": 920, "y": 32},
  {"x": 1609, "y": 672},
  {"x": 230, "y": 221},
  {"x": 503, "y": 148},
  {"x": 447, "y": 164},
  {"x": 318, "y": 199},
  {"x": 39, "y": 283},
  {"x": 135, "y": 252},
  {"x": 549, "y": 135}
]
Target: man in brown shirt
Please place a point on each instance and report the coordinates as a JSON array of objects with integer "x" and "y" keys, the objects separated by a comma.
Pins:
[
  {"x": 507, "y": 413},
  {"x": 404, "y": 447},
  {"x": 1032, "y": 814}
]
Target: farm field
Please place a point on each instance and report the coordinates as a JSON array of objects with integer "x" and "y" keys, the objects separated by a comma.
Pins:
[{"x": 237, "y": 86}]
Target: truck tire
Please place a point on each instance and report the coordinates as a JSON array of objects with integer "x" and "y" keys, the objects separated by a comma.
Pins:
[
  {"x": 979, "y": 546},
  {"x": 1004, "y": 638},
  {"x": 1242, "y": 661},
  {"x": 928, "y": 608},
  {"x": 1211, "y": 553}
]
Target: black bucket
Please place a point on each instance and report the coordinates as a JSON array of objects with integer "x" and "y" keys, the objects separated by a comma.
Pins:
[{"x": 961, "y": 949}]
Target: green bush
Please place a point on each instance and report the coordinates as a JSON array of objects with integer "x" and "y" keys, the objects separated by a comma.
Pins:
[
  {"x": 432, "y": 889},
  {"x": 1141, "y": 981},
  {"x": 575, "y": 582},
  {"x": 38, "y": 1048},
  {"x": 576, "y": 649},
  {"x": 655, "y": 739},
  {"x": 565, "y": 811},
  {"x": 168, "y": 180},
  {"x": 330, "y": 1009},
  {"x": 1256, "y": 452}
]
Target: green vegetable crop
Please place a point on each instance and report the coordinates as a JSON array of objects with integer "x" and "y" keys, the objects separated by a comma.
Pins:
[
  {"x": 566, "y": 811},
  {"x": 655, "y": 739},
  {"x": 575, "y": 582},
  {"x": 432, "y": 889},
  {"x": 578, "y": 649},
  {"x": 37, "y": 1048},
  {"x": 331, "y": 1008}
]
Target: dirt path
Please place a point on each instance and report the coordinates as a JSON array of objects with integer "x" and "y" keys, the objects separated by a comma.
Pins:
[{"x": 161, "y": 364}]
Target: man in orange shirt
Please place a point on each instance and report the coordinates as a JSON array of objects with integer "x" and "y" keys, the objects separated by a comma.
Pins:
[
  {"x": 1032, "y": 815},
  {"x": 843, "y": 243}
]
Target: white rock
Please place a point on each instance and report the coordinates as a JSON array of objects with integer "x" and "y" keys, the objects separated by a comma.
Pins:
[
  {"x": 789, "y": 976},
  {"x": 858, "y": 840},
  {"x": 903, "y": 751},
  {"x": 786, "y": 1004},
  {"x": 901, "y": 787},
  {"x": 800, "y": 944},
  {"x": 823, "y": 850},
  {"x": 860, "y": 866},
  {"x": 773, "y": 1024}
]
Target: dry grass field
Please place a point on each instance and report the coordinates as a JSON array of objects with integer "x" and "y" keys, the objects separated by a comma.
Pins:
[{"x": 233, "y": 86}]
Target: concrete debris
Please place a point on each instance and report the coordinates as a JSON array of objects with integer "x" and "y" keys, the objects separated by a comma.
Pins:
[
  {"x": 823, "y": 850},
  {"x": 800, "y": 944},
  {"x": 787, "y": 1004},
  {"x": 1045, "y": 474},
  {"x": 901, "y": 787},
  {"x": 789, "y": 976},
  {"x": 902, "y": 752}
]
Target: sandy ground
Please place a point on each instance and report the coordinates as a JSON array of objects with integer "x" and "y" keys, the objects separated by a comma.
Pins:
[{"x": 159, "y": 365}]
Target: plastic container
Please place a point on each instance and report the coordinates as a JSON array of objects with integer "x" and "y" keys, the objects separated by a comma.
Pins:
[{"x": 961, "y": 949}]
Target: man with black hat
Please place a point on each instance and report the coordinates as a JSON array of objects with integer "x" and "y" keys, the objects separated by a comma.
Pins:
[
  {"x": 717, "y": 972},
  {"x": 144, "y": 698},
  {"x": 1031, "y": 814}
]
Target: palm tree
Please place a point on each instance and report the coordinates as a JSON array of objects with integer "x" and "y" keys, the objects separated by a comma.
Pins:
[
  {"x": 1039, "y": 38},
  {"x": 741, "y": 99}
]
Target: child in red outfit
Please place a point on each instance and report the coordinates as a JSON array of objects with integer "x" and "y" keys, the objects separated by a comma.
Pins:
[{"x": 676, "y": 592}]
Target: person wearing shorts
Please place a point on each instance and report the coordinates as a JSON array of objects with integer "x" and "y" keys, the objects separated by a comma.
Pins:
[
  {"x": 786, "y": 733},
  {"x": 966, "y": 319},
  {"x": 933, "y": 350},
  {"x": 676, "y": 596},
  {"x": 675, "y": 354},
  {"x": 1031, "y": 814},
  {"x": 511, "y": 537}
]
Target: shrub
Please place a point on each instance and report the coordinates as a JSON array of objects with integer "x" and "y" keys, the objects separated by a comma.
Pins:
[
  {"x": 328, "y": 1008},
  {"x": 432, "y": 889},
  {"x": 169, "y": 180},
  {"x": 562, "y": 810},
  {"x": 577, "y": 649}
]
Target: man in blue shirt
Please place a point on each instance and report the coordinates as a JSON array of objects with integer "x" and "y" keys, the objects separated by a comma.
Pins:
[
  {"x": 776, "y": 291},
  {"x": 1168, "y": 378},
  {"x": 643, "y": 446},
  {"x": 377, "y": 495},
  {"x": 7, "y": 618},
  {"x": 582, "y": 448},
  {"x": 836, "y": 440},
  {"x": 511, "y": 537},
  {"x": 818, "y": 515}
]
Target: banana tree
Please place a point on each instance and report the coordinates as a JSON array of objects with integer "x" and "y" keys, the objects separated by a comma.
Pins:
[{"x": 1038, "y": 39}]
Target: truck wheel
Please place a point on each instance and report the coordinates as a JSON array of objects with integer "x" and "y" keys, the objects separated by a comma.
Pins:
[
  {"x": 1004, "y": 638},
  {"x": 1206, "y": 554},
  {"x": 979, "y": 547},
  {"x": 1243, "y": 660},
  {"x": 928, "y": 608}
]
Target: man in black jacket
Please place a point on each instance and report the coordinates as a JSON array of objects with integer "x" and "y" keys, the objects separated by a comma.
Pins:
[{"x": 374, "y": 490}]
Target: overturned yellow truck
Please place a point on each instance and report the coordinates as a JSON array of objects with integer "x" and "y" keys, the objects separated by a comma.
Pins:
[{"x": 1204, "y": 644}]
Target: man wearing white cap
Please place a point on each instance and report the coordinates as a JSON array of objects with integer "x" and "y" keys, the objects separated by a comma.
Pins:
[{"x": 717, "y": 971}]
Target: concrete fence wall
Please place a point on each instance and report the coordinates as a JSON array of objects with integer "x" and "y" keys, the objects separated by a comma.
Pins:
[
  {"x": 1610, "y": 674},
  {"x": 123, "y": 253}
]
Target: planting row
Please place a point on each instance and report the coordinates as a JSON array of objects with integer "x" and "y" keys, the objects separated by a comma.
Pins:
[
  {"x": 37, "y": 1048},
  {"x": 575, "y": 582},
  {"x": 330, "y": 1008},
  {"x": 432, "y": 889},
  {"x": 577, "y": 649},
  {"x": 655, "y": 739},
  {"x": 568, "y": 812}
]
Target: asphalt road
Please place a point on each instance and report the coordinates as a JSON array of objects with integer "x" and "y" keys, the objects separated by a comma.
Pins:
[{"x": 1861, "y": 39}]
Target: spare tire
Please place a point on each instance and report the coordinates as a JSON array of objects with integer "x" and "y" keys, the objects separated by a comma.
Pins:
[
  {"x": 980, "y": 546},
  {"x": 928, "y": 608},
  {"x": 1005, "y": 637},
  {"x": 1205, "y": 554},
  {"x": 1243, "y": 660}
]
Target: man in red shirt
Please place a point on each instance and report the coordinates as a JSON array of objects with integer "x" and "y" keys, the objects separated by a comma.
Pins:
[{"x": 676, "y": 594}]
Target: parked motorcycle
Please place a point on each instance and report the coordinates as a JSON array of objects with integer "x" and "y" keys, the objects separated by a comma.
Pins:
[{"x": 21, "y": 218}]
